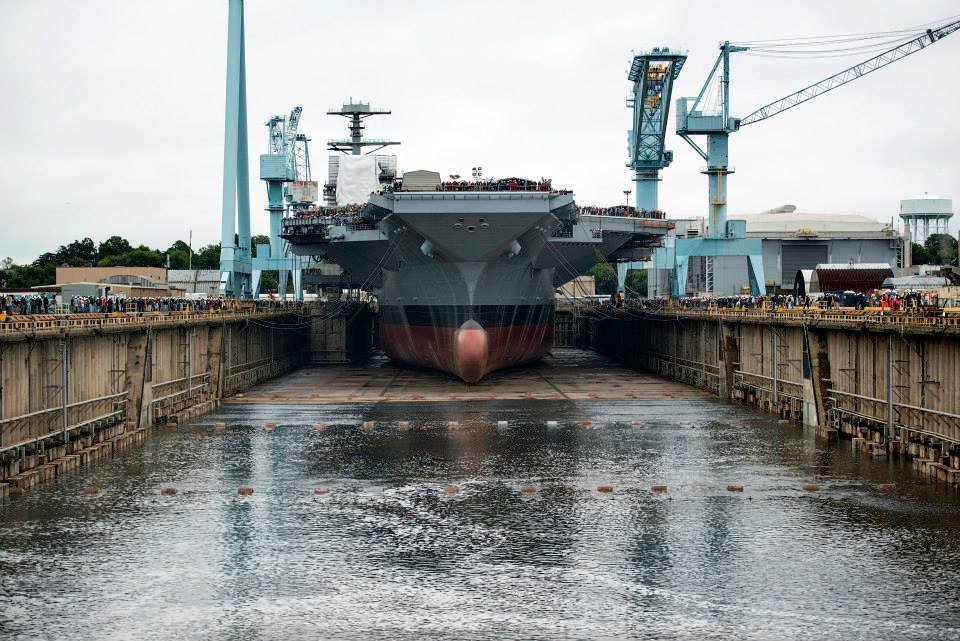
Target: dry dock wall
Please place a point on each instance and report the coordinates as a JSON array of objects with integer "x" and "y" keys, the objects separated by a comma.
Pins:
[
  {"x": 891, "y": 386},
  {"x": 72, "y": 388}
]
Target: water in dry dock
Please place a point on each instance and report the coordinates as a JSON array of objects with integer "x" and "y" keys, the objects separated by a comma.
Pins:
[{"x": 387, "y": 553}]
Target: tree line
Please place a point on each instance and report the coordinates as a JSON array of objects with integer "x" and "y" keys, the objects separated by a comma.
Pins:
[
  {"x": 115, "y": 251},
  {"x": 938, "y": 249}
]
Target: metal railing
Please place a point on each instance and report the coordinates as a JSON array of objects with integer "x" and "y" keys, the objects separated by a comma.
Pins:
[
  {"x": 765, "y": 384},
  {"x": 179, "y": 387},
  {"x": 920, "y": 420},
  {"x": 252, "y": 375},
  {"x": 871, "y": 316},
  {"x": 56, "y": 323},
  {"x": 31, "y": 428}
]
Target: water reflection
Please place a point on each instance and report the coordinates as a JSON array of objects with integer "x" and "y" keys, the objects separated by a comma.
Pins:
[{"x": 387, "y": 554}]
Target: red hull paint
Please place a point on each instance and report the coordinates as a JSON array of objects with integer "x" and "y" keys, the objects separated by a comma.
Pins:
[{"x": 470, "y": 353}]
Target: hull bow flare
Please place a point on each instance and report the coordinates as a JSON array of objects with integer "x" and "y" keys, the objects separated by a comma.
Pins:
[{"x": 472, "y": 351}]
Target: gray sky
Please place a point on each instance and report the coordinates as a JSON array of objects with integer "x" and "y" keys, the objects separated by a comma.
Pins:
[{"x": 112, "y": 110}]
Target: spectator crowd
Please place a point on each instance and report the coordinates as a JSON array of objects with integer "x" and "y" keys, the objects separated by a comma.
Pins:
[
  {"x": 884, "y": 300},
  {"x": 33, "y": 304},
  {"x": 46, "y": 304}
]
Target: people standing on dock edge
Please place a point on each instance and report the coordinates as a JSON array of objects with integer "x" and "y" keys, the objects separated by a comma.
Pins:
[{"x": 43, "y": 304}]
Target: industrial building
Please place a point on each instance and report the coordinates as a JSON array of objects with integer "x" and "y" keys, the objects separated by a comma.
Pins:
[
  {"x": 135, "y": 281},
  {"x": 792, "y": 240},
  {"x": 195, "y": 281}
]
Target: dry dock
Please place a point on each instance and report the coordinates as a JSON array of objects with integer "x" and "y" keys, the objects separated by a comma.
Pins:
[
  {"x": 567, "y": 374},
  {"x": 888, "y": 381},
  {"x": 72, "y": 383},
  {"x": 76, "y": 389}
]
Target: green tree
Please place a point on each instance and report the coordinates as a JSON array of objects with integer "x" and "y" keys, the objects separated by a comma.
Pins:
[
  {"x": 605, "y": 278},
  {"x": 179, "y": 246},
  {"x": 919, "y": 254},
  {"x": 25, "y": 276},
  {"x": 141, "y": 256},
  {"x": 79, "y": 253},
  {"x": 179, "y": 259},
  {"x": 112, "y": 246},
  {"x": 635, "y": 284},
  {"x": 941, "y": 249},
  {"x": 207, "y": 257},
  {"x": 269, "y": 282}
]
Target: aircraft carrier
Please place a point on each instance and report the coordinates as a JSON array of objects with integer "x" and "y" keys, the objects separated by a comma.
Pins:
[{"x": 465, "y": 273}]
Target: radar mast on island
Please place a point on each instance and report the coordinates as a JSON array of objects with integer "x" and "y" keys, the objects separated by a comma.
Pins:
[{"x": 357, "y": 112}]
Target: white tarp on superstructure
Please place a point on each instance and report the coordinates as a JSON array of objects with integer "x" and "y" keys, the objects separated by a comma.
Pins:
[{"x": 356, "y": 179}]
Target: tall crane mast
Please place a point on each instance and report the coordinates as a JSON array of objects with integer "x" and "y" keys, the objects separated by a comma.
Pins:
[
  {"x": 693, "y": 120},
  {"x": 652, "y": 74},
  {"x": 694, "y": 117}
]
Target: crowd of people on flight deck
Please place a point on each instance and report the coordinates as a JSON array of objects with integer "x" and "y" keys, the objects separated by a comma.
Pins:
[
  {"x": 622, "y": 210},
  {"x": 503, "y": 184}
]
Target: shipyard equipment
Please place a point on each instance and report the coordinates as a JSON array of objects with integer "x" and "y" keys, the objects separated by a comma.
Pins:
[
  {"x": 235, "y": 260},
  {"x": 697, "y": 118},
  {"x": 286, "y": 170},
  {"x": 652, "y": 74}
]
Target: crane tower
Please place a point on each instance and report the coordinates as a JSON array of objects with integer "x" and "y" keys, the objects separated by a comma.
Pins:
[
  {"x": 696, "y": 117},
  {"x": 652, "y": 74},
  {"x": 280, "y": 168}
]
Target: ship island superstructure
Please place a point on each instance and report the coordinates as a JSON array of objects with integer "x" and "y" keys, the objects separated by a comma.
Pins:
[{"x": 466, "y": 273}]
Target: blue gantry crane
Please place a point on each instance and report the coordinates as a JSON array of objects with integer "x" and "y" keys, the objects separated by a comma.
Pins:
[
  {"x": 652, "y": 73},
  {"x": 286, "y": 170},
  {"x": 695, "y": 117}
]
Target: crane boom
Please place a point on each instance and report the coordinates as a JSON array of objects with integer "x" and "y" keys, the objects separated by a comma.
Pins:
[
  {"x": 848, "y": 75},
  {"x": 293, "y": 122}
]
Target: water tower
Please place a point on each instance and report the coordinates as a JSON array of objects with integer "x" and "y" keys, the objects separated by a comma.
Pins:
[{"x": 925, "y": 215}]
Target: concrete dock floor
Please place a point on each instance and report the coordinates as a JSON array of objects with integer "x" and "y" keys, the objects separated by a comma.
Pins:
[{"x": 567, "y": 374}]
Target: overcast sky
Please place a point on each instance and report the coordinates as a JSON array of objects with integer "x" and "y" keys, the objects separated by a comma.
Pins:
[{"x": 112, "y": 110}]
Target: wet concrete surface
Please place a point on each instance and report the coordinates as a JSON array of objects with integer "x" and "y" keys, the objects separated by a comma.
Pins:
[
  {"x": 354, "y": 529},
  {"x": 565, "y": 375}
]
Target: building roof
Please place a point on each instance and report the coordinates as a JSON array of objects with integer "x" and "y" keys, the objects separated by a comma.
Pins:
[
  {"x": 916, "y": 281},
  {"x": 786, "y": 221},
  {"x": 193, "y": 275},
  {"x": 883, "y": 266}
]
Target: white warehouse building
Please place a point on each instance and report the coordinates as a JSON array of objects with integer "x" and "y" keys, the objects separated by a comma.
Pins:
[{"x": 792, "y": 240}]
